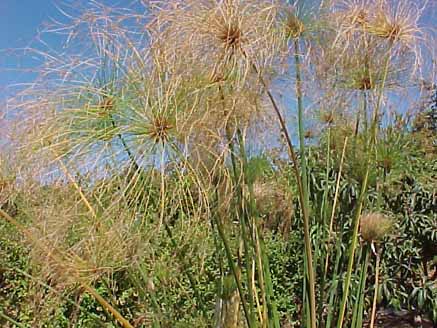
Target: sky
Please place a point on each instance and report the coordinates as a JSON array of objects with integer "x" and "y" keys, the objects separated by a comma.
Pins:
[
  {"x": 19, "y": 25},
  {"x": 22, "y": 19},
  {"x": 18, "y": 29}
]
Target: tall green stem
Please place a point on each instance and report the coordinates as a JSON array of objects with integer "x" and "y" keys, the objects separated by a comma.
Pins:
[
  {"x": 370, "y": 145},
  {"x": 234, "y": 271},
  {"x": 248, "y": 311},
  {"x": 324, "y": 215},
  {"x": 246, "y": 229},
  {"x": 357, "y": 313},
  {"x": 334, "y": 280},
  {"x": 308, "y": 248},
  {"x": 299, "y": 182}
]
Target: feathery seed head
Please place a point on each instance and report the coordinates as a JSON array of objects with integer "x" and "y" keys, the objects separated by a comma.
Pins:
[
  {"x": 309, "y": 134},
  {"x": 107, "y": 104},
  {"x": 273, "y": 202},
  {"x": 159, "y": 129},
  {"x": 397, "y": 22},
  {"x": 328, "y": 117},
  {"x": 349, "y": 16},
  {"x": 375, "y": 226},
  {"x": 213, "y": 38},
  {"x": 228, "y": 29},
  {"x": 294, "y": 27}
]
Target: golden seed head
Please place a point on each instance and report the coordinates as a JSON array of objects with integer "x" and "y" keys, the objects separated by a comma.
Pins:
[
  {"x": 383, "y": 27},
  {"x": 150, "y": 285},
  {"x": 294, "y": 27},
  {"x": 107, "y": 104},
  {"x": 328, "y": 117},
  {"x": 365, "y": 83},
  {"x": 397, "y": 22},
  {"x": 309, "y": 134},
  {"x": 231, "y": 35},
  {"x": 374, "y": 226},
  {"x": 362, "y": 18},
  {"x": 160, "y": 129},
  {"x": 272, "y": 198}
]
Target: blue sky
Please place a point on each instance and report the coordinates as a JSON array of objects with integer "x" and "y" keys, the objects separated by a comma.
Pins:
[
  {"x": 18, "y": 28},
  {"x": 19, "y": 25}
]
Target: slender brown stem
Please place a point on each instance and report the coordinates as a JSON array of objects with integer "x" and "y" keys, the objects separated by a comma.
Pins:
[
  {"x": 334, "y": 206},
  {"x": 124, "y": 323},
  {"x": 375, "y": 295}
]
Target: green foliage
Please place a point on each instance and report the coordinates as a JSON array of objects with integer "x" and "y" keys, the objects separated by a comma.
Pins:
[
  {"x": 15, "y": 287},
  {"x": 286, "y": 265}
]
